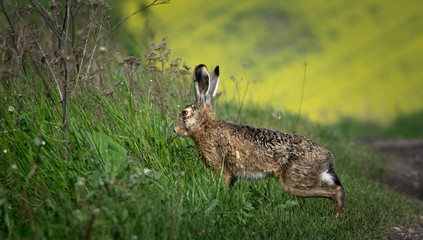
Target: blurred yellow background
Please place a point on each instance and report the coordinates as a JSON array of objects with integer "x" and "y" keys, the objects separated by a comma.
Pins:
[{"x": 364, "y": 58}]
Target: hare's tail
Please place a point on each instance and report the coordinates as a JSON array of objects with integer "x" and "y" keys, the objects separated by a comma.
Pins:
[{"x": 336, "y": 180}]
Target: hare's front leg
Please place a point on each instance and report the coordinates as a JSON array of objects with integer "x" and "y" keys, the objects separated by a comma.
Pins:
[
  {"x": 228, "y": 179},
  {"x": 213, "y": 161}
]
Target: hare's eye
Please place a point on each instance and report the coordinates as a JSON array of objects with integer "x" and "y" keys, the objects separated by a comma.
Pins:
[{"x": 184, "y": 113}]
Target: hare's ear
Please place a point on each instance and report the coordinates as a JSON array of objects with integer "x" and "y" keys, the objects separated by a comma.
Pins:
[
  {"x": 213, "y": 84},
  {"x": 201, "y": 81}
]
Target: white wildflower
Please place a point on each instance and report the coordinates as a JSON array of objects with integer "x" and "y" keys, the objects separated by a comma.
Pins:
[
  {"x": 96, "y": 211},
  {"x": 147, "y": 171},
  {"x": 278, "y": 113},
  {"x": 102, "y": 49},
  {"x": 81, "y": 182}
]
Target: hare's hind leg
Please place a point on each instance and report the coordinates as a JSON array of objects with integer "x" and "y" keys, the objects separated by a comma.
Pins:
[
  {"x": 340, "y": 198},
  {"x": 339, "y": 202},
  {"x": 334, "y": 193}
]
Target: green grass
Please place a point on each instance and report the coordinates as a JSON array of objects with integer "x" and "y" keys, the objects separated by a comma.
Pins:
[
  {"x": 405, "y": 126},
  {"x": 126, "y": 179}
]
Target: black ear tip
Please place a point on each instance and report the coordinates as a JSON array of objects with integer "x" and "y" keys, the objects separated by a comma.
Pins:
[
  {"x": 198, "y": 71},
  {"x": 200, "y": 66},
  {"x": 217, "y": 71}
]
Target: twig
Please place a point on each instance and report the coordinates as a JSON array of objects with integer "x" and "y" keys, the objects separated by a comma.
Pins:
[
  {"x": 5, "y": 14},
  {"x": 65, "y": 86},
  {"x": 93, "y": 51},
  {"x": 37, "y": 160},
  {"x": 175, "y": 212},
  {"x": 44, "y": 58},
  {"x": 10, "y": 23},
  {"x": 87, "y": 233},
  {"x": 82, "y": 60},
  {"x": 242, "y": 102},
  {"x": 28, "y": 208},
  {"x": 45, "y": 19}
]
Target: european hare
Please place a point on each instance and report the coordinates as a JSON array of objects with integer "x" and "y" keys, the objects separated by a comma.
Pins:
[{"x": 303, "y": 167}]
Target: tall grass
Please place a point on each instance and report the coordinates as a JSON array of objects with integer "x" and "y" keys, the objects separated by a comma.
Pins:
[{"x": 127, "y": 177}]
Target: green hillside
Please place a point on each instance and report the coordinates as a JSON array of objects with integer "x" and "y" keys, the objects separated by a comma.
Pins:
[{"x": 362, "y": 57}]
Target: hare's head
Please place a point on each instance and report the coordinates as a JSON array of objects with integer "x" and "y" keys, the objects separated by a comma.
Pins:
[{"x": 195, "y": 115}]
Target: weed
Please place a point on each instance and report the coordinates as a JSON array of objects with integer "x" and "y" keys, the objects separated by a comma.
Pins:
[
  {"x": 240, "y": 97},
  {"x": 302, "y": 97}
]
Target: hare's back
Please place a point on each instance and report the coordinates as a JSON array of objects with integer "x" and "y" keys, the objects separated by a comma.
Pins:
[{"x": 279, "y": 146}]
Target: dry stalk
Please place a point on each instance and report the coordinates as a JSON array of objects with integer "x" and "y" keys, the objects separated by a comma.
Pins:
[
  {"x": 82, "y": 60},
  {"x": 66, "y": 83},
  {"x": 43, "y": 15},
  {"x": 301, "y": 99},
  {"x": 44, "y": 58},
  {"x": 28, "y": 208},
  {"x": 94, "y": 213},
  {"x": 175, "y": 212}
]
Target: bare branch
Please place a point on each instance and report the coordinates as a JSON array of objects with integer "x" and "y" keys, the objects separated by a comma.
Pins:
[
  {"x": 5, "y": 14},
  {"x": 44, "y": 58},
  {"x": 82, "y": 60},
  {"x": 92, "y": 53},
  {"x": 66, "y": 83},
  {"x": 43, "y": 15}
]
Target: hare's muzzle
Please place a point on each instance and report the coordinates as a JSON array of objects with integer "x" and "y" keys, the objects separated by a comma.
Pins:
[{"x": 180, "y": 130}]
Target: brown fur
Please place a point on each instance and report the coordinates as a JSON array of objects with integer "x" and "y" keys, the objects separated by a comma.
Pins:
[{"x": 303, "y": 167}]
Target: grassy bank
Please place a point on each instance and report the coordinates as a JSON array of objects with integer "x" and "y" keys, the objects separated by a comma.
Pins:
[{"x": 405, "y": 126}]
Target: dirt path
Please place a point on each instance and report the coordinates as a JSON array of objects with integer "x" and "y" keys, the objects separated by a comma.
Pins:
[{"x": 405, "y": 176}]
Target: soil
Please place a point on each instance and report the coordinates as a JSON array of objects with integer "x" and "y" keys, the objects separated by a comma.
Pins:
[{"x": 405, "y": 176}]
